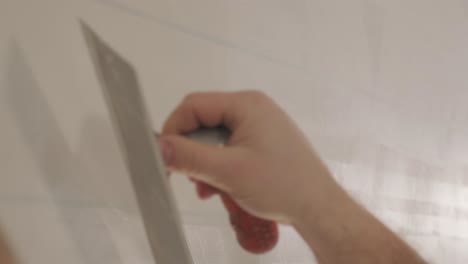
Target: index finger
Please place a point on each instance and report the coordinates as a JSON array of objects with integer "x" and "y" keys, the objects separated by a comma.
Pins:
[{"x": 208, "y": 109}]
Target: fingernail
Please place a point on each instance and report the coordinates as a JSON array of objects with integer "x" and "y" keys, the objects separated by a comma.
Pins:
[{"x": 166, "y": 150}]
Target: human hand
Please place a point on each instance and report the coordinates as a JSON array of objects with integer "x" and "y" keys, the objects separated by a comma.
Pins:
[{"x": 267, "y": 166}]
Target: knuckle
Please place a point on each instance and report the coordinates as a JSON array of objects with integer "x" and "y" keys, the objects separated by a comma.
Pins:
[
  {"x": 255, "y": 96},
  {"x": 189, "y": 98}
]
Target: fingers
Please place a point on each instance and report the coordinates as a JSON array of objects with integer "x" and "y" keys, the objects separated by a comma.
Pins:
[
  {"x": 203, "y": 109},
  {"x": 204, "y": 161},
  {"x": 209, "y": 163}
]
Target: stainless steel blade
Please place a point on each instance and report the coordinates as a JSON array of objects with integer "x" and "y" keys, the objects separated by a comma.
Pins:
[{"x": 141, "y": 152}]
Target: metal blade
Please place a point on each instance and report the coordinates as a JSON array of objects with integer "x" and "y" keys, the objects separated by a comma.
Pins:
[{"x": 130, "y": 119}]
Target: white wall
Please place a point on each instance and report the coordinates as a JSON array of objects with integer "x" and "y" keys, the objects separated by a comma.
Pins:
[{"x": 379, "y": 86}]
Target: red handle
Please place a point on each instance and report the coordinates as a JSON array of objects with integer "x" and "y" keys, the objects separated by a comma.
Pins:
[{"x": 254, "y": 234}]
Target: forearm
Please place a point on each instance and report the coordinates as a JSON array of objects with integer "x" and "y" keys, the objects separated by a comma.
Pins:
[{"x": 339, "y": 230}]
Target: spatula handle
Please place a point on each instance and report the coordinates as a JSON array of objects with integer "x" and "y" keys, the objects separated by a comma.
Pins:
[{"x": 254, "y": 234}]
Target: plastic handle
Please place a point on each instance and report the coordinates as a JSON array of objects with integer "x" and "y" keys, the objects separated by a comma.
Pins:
[{"x": 254, "y": 234}]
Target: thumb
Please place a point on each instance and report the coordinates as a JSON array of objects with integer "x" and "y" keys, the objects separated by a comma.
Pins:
[{"x": 186, "y": 155}]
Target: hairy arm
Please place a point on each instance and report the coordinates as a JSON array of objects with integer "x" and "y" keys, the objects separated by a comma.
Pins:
[{"x": 341, "y": 231}]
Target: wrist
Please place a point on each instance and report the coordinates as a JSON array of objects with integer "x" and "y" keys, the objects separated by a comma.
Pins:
[{"x": 326, "y": 202}]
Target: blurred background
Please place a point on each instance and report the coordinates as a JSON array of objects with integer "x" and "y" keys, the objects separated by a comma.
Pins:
[{"x": 378, "y": 86}]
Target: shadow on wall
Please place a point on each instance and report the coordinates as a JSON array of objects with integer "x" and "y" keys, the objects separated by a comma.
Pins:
[
  {"x": 66, "y": 180},
  {"x": 98, "y": 149},
  {"x": 86, "y": 183}
]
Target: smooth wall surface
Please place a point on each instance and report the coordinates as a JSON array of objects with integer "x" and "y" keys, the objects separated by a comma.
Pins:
[{"x": 379, "y": 86}]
